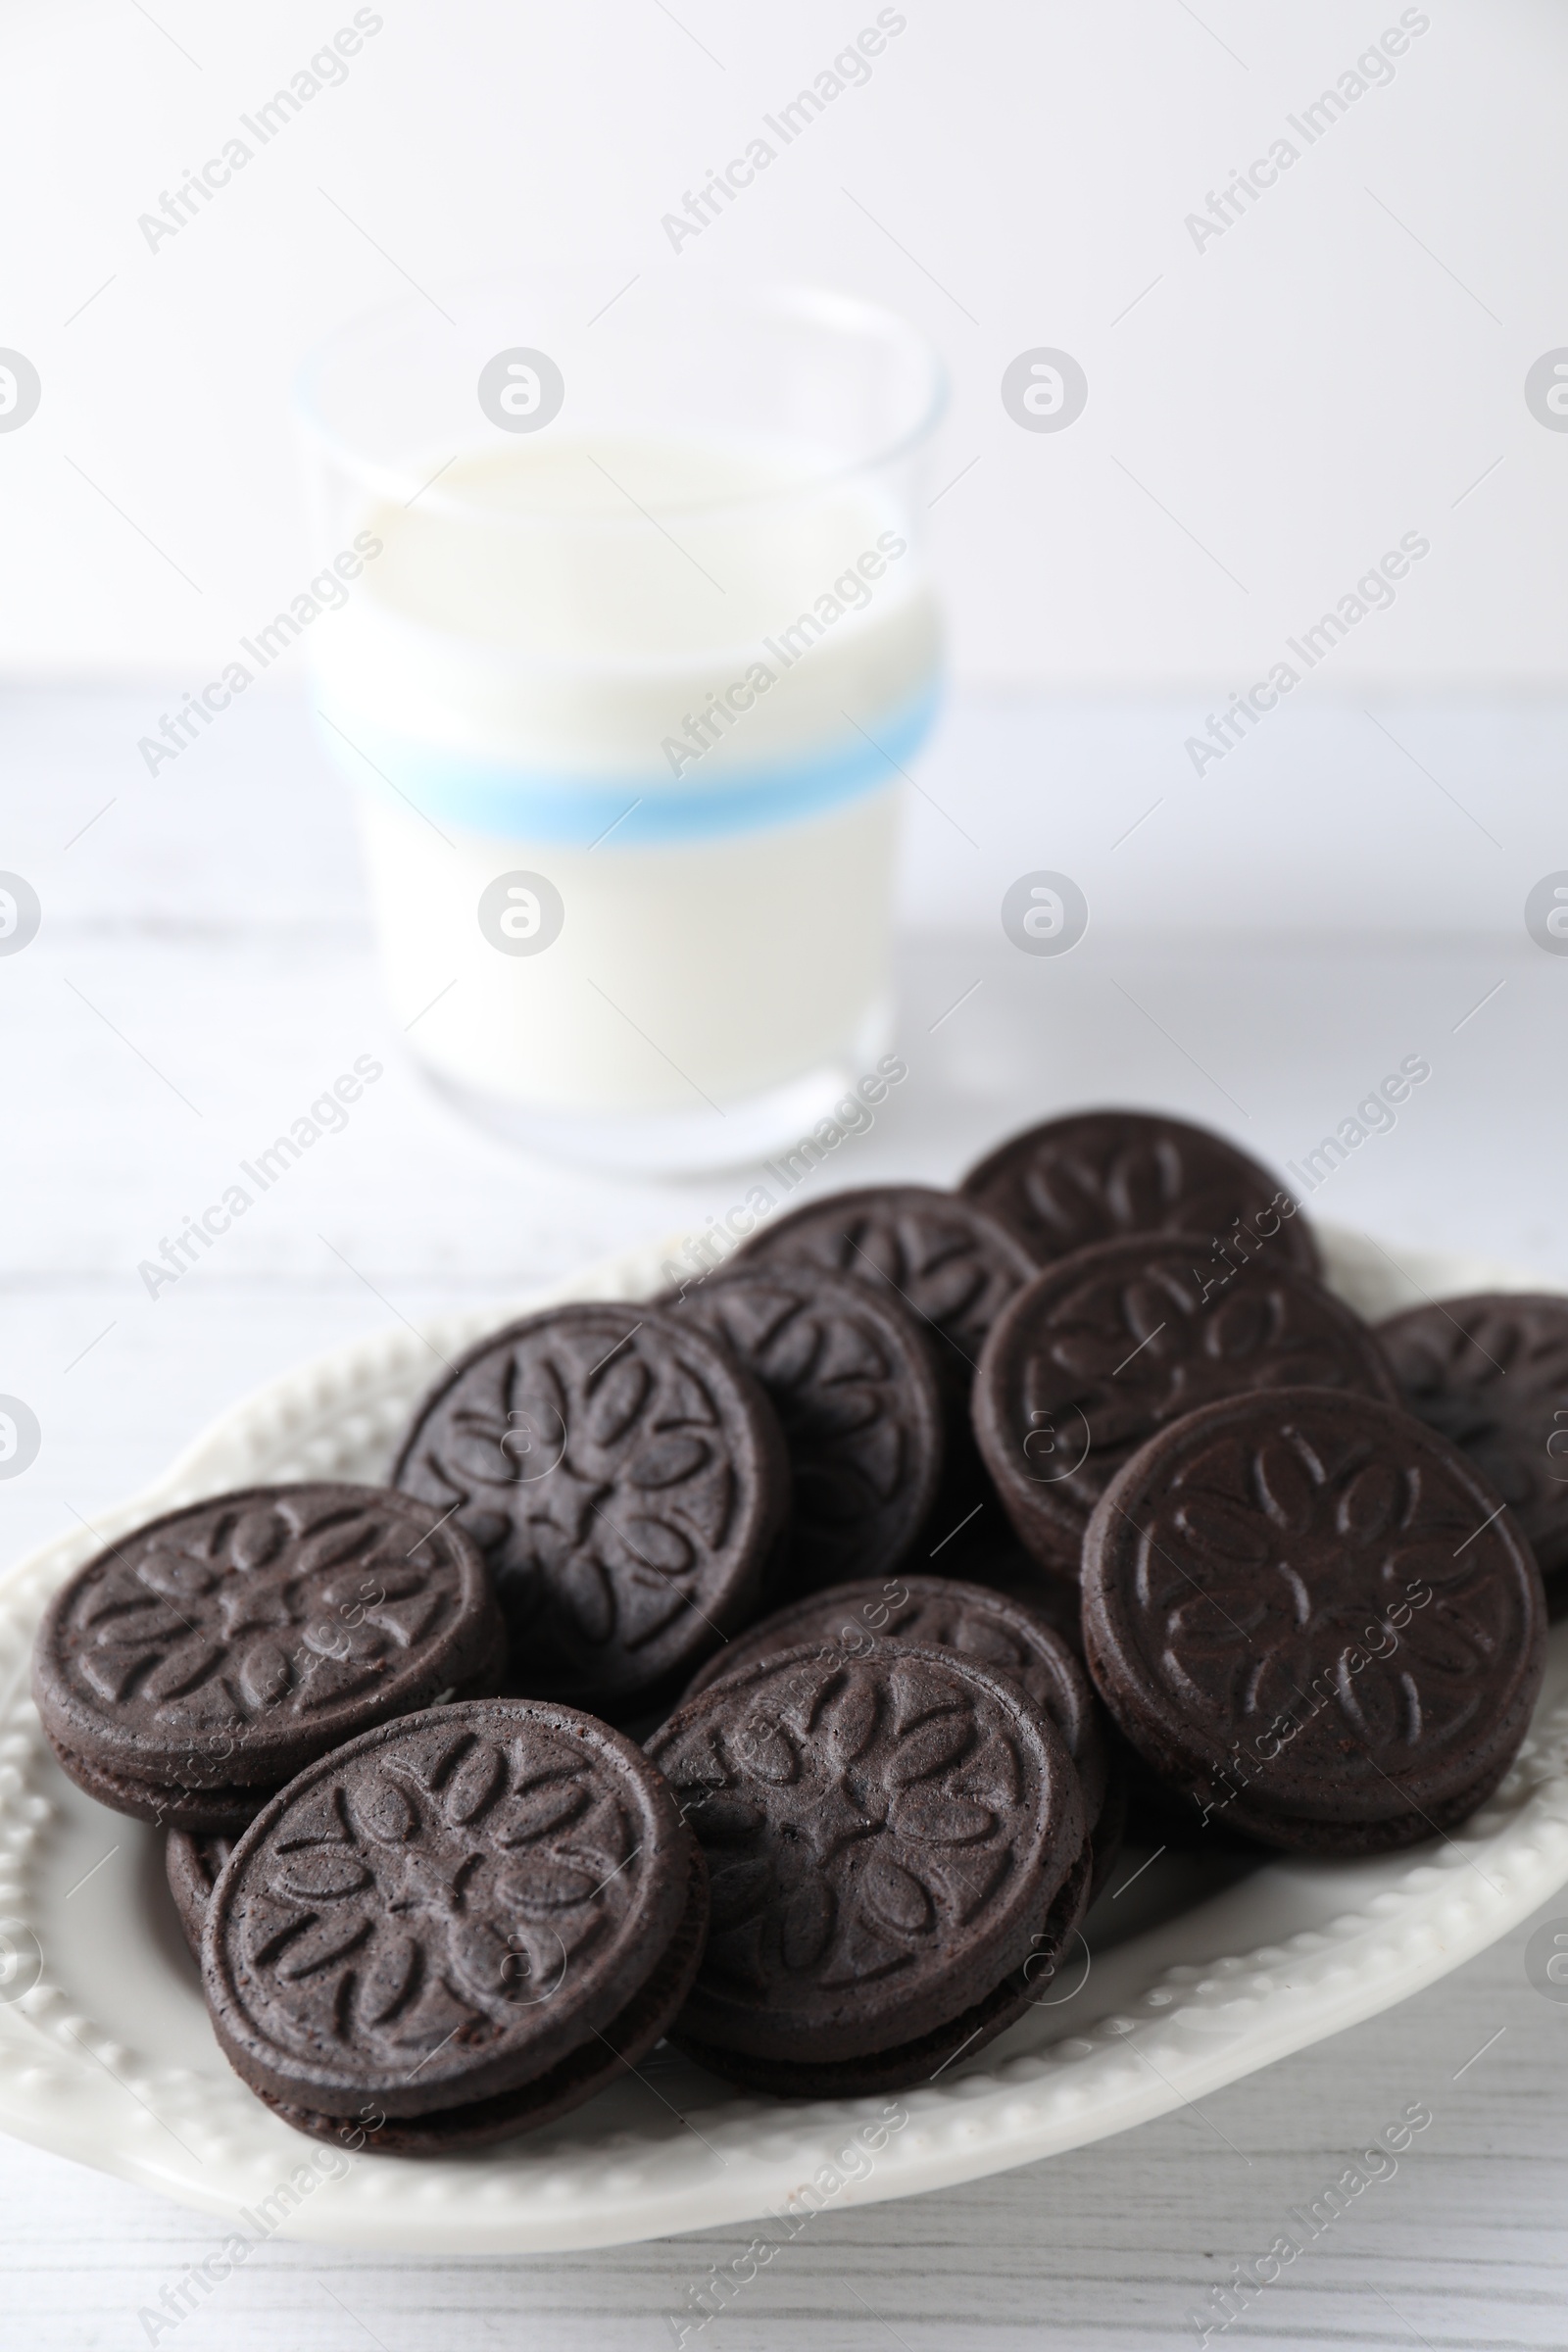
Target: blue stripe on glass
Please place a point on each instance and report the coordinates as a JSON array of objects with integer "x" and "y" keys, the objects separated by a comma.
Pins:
[{"x": 486, "y": 796}]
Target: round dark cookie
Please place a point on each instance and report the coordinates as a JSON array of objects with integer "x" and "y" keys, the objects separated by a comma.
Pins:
[
  {"x": 887, "y": 1836},
  {"x": 1098, "y": 1174},
  {"x": 1114, "y": 1342},
  {"x": 218, "y": 1649},
  {"x": 192, "y": 1860},
  {"x": 1007, "y": 1635},
  {"x": 1314, "y": 1619},
  {"x": 954, "y": 1266},
  {"x": 1490, "y": 1372},
  {"x": 578, "y": 2078},
  {"x": 910, "y": 2063},
  {"x": 627, "y": 1483},
  {"x": 850, "y": 1373},
  {"x": 444, "y": 1910}
]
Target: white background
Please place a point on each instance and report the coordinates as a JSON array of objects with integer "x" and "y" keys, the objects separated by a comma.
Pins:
[{"x": 1319, "y": 380}]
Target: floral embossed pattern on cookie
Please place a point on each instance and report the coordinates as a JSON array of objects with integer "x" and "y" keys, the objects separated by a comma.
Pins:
[
  {"x": 445, "y": 1910},
  {"x": 944, "y": 1258},
  {"x": 228, "y": 1643},
  {"x": 1006, "y": 1634},
  {"x": 1109, "y": 1345},
  {"x": 1311, "y": 1613},
  {"x": 954, "y": 1267},
  {"x": 884, "y": 1836},
  {"x": 626, "y": 1480},
  {"x": 1103, "y": 1173},
  {"x": 850, "y": 1374}
]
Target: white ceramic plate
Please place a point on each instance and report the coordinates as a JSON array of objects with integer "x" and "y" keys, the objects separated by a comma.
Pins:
[{"x": 1201, "y": 1971}]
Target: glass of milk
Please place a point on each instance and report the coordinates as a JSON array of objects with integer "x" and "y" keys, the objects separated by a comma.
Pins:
[{"x": 635, "y": 642}]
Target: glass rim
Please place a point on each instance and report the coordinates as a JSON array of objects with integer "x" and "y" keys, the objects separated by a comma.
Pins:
[{"x": 848, "y": 314}]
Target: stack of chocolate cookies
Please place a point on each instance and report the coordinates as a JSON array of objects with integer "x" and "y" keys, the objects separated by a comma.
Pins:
[
  {"x": 1313, "y": 1621},
  {"x": 455, "y": 1929},
  {"x": 941, "y": 1520}
]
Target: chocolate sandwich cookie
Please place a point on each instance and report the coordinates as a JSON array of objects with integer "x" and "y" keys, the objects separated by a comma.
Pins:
[
  {"x": 455, "y": 1929},
  {"x": 192, "y": 1861},
  {"x": 952, "y": 1265},
  {"x": 849, "y": 1372},
  {"x": 626, "y": 1480},
  {"x": 1315, "y": 1621},
  {"x": 1008, "y": 1636},
  {"x": 192, "y": 1668},
  {"x": 897, "y": 1850},
  {"x": 1099, "y": 1174},
  {"x": 1114, "y": 1342},
  {"x": 1490, "y": 1372}
]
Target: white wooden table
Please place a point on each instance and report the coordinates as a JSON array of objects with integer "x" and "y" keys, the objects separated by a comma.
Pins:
[{"x": 204, "y": 969}]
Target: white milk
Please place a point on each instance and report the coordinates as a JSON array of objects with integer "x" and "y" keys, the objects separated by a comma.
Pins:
[{"x": 678, "y": 681}]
